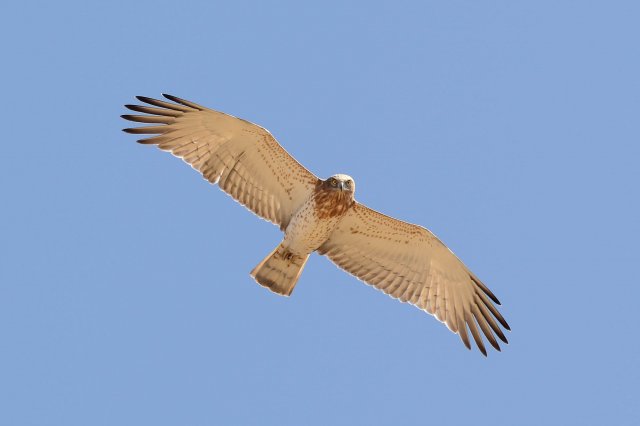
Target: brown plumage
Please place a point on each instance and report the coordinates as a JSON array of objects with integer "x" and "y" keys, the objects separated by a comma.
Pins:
[
  {"x": 403, "y": 260},
  {"x": 330, "y": 203}
]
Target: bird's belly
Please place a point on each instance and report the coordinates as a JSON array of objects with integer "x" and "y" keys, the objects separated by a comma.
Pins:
[{"x": 306, "y": 231}]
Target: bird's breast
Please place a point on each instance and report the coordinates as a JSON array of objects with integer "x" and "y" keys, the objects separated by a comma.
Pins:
[
  {"x": 315, "y": 220},
  {"x": 330, "y": 204}
]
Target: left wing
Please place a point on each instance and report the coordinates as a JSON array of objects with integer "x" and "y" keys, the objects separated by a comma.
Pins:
[
  {"x": 409, "y": 263},
  {"x": 244, "y": 159}
]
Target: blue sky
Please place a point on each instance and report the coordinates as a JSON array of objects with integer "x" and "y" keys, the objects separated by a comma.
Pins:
[{"x": 510, "y": 129}]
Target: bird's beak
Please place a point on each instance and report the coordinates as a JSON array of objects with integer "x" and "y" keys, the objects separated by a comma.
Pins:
[{"x": 341, "y": 186}]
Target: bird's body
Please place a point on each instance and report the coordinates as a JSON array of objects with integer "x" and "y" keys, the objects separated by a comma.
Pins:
[
  {"x": 312, "y": 224},
  {"x": 309, "y": 228},
  {"x": 403, "y": 260}
]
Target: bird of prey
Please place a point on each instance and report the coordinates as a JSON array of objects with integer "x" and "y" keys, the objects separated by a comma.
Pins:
[{"x": 403, "y": 260}]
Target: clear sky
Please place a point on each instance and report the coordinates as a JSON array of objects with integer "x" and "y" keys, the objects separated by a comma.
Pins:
[{"x": 510, "y": 129}]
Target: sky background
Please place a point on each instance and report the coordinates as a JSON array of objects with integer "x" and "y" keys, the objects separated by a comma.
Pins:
[{"x": 510, "y": 129}]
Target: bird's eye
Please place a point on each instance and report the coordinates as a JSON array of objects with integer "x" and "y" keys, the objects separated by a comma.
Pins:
[{"x": 334, "y": 182}]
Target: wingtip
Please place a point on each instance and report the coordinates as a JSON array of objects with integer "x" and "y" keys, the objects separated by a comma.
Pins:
[
  {"x": 174, "y": 98},
  {"x": 148, "y": 100},
  {"x": 494, "y": 298},
  {"x": 484, "y": 288},
  {"x": 147, "y": 141},
  {"x": 494, "y": 343},
  {"x": 183, "y": 102},
  {"x": 467, "y": 344},
  {"x": 129, "y": 117}
]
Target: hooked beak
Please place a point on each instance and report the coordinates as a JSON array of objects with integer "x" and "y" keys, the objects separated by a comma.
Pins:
[{"x": 341, "y": 186}]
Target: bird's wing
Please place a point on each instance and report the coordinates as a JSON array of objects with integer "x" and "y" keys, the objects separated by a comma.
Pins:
[
  {"x": 244, "y": 159},
  {"x": 409, "y": 263}
]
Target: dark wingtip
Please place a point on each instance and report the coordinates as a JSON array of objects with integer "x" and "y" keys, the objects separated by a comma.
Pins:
[
  {"x": 178, "y": 100},
  {"x": 128, "y": 130},
  {"x": 484, "y": 288},
  {"x": 495, "y": 345},
  {"x": 482, "y": 349},
  {"x": 145, "y": 99},
  {"x": 184, "y": 102},
  {"x": 494, "y": 298}
]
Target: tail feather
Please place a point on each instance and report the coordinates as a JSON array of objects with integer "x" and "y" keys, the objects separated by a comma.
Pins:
[{"x": 280, "y": 270}]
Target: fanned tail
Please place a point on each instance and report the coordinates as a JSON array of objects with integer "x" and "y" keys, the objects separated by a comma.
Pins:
[{"x": 280, "y": 270}]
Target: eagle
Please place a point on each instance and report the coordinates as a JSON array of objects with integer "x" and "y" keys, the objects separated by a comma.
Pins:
[{"x": 403, "y": 260}]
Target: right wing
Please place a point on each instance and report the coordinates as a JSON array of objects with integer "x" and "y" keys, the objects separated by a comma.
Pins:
[
  {"x": 409, "y": 263},
  {"x": 244, "y": 159}
]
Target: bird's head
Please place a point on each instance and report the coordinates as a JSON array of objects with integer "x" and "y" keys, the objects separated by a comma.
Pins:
[{"x": 340, "y": 182}]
